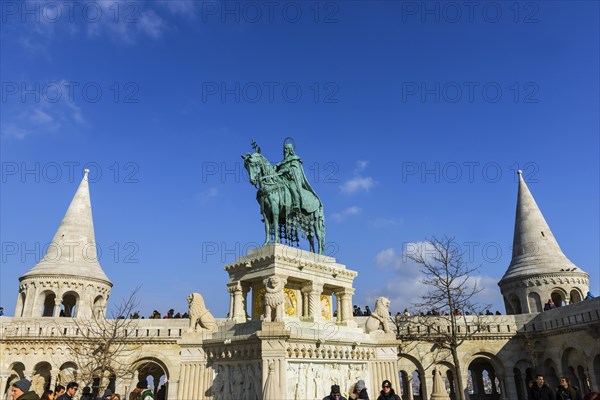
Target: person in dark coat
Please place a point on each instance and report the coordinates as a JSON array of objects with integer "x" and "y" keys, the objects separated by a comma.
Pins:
[
  {"x": 567, "y": 392},
  {"x": 335, "y": 394},
  {"x": 87, "y": 394},
  {"x": 540, "y": 391},
  {"x": 387, "y": 393},
  {"x": 360, "y": 390},
  {"x": 20, "y": 391}
]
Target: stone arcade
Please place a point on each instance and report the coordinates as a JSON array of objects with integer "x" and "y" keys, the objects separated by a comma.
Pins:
[{"x": 281, "y": 339}]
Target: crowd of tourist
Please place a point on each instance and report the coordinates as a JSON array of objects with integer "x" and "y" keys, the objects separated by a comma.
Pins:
[
  {"x": 540, "y": 390},
  {"x": 20, "y": 390}
]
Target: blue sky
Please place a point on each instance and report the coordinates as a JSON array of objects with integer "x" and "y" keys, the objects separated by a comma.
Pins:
[{"x": 411, "y": 119}]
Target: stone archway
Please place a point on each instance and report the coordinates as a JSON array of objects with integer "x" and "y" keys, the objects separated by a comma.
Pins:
[
  {"x": 515, "y": 304},
  {"x": 47, "y": 301},
  {"x": 70, "y": 303},
  {"x": 16, "y": 372},
  {"x": 41, "y": 378},
  {"x": 572, "y": 362},
  {"x": 156, "y": 374},
  {"x": 559, "y": 297},
  {"x": 484, "y": 382},
  {"x": 522, "y": 375},
  {"x": 550, "y": 374},
  {"x": 412, "y": 378},
  {"x": 534, "y": 302},
  {"x": 575, "y": 296}
]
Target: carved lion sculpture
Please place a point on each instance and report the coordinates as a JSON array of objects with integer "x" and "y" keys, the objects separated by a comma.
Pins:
[
  {"x": 274, "y": 299},
  {"x": 199, "y": 314},
  {"x": 379, "y": 319}
]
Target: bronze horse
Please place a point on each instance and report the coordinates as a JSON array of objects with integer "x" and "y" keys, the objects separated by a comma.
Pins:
[{"x": 281, "y": 217}]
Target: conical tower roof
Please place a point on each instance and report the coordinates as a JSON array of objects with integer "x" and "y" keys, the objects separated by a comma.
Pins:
[
  {"x": 73, "y": 248},
  {"x": 535, "y": 250}
]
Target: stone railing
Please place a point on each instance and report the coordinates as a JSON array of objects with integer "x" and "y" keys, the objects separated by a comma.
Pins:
[
  {"x": 42, "y": 328},
  {"x": 572, "y": 316},
  {"x": 478, "y": 327}
]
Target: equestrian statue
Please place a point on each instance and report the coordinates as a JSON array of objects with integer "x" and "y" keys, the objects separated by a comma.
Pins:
[{"x": 288, "y": 203}]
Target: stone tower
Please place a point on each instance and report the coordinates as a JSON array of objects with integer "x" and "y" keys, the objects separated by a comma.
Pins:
[
  {"x": 539, "y": 270},
  {"x": 69, "y": 280}
]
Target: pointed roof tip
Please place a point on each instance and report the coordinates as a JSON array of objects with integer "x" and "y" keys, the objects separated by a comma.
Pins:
[
  {"x": 73, "y": 250},
  {"x": 535, "y": 249}
]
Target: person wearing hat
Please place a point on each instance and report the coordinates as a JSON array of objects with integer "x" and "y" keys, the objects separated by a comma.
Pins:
[
  {"x": 20, "y": 391},
  {"x": 335, "y": 394},
  {"x": 387, "y": 393},
  {"x": 107, "y": 395},
  {"x": 360, "y": 391}
]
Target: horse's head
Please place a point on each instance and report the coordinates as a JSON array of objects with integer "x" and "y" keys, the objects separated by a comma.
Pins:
[{"x": 254, "y": 165}]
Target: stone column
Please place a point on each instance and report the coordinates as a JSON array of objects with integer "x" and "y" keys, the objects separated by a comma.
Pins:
[
  {"x": 594, "y": 379},
  {"x": 340, "y": 306},
  {"x": 57, "y": 304},
  {"x": 231, "y": 290},
  {"x": 245, "y": 291},
  {"x": 3, "y": 382},
  {"x": 31, "y": 293},
  {"x": 239, "y": 312},
  {"x": 314, "y": 290},
  {"x": 345, "y": 294},
  {"x": 305, "y": 312}
]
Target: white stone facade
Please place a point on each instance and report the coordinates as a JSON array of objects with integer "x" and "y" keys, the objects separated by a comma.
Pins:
[{"x": 281, "y": 339}]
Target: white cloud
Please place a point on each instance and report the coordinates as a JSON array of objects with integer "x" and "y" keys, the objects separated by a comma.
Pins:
[
  {"x": 357, "y": 184},
  {"x": 361, "y": 165},
  {"x": 341, "y": 216},
  {"x": 151, "y": 24},
  {"x": 123, "y": 21},
  {"x": 48, "y": 114},
  {"x": 407, "y": 287},
  {"x": 13, "y": 131},
  {"x": 207, "y": 194},
  {"x": 183, "y": 7}
]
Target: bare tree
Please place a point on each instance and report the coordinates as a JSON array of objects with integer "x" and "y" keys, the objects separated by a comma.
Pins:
[
  {"x": 102, "y": 347},
  {"x": 448, "y": 315}
]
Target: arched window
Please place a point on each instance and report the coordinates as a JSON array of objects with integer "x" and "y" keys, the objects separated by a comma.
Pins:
[
  {"x": 98, "y": 306},
  {"x": 558, "y": 298},
  {"x": 515, "y": 304},
  {"x": 535, "y": 302},
  {"x": 48, "y": 305},
  {"x": 69, "y": 304},
  {"x": 416, "y": 385},
  {"x": 574, "y": 296}
]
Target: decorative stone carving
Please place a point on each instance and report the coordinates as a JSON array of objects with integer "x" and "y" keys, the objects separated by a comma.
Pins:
[
  {"x": 274, "y": 299},
  {"x": 199, "y": 314},
  {"x": 379, "y": 319},
  {"x": 307, "y": 380}
]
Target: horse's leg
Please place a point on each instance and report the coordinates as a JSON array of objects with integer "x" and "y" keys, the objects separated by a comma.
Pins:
[
  {"x": 319, "y": 227},
  {"x": 311, "y": 242},
  {"x": 275, "y": 203},
  {"x": 267, "y": 225}
]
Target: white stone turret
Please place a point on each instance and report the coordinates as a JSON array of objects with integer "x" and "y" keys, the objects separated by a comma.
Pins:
[
  {"x": 69, "y": 280},
  {"x": 538, "y": 271}
]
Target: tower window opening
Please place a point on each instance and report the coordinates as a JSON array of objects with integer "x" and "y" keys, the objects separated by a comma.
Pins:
[{"x": 543, "y": 234}]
